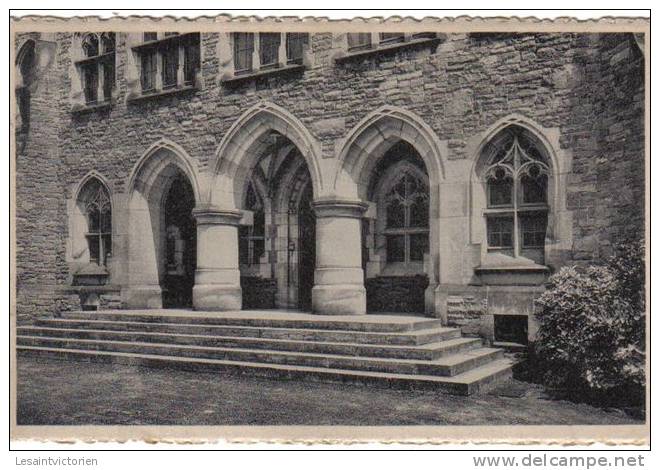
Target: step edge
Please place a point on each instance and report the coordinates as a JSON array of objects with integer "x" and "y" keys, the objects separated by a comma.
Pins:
[
  {"x": 411, "y": 333},
  {"x": 281, "y": 353},
  {"x": 427, "y": 348},
  {"x": 451, "y": 381}
]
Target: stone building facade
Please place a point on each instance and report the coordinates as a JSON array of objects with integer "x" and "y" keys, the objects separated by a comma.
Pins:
[{"x": 442, "y": 174}]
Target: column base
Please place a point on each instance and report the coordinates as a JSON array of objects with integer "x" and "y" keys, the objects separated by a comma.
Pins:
[
  {"x": 142, "y": 297},
  {"x": 346, "y": 299},
  {"x": 217, "y": 297}
]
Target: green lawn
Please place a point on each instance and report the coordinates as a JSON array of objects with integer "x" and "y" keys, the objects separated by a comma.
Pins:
[{"x": 51, "y": 392}]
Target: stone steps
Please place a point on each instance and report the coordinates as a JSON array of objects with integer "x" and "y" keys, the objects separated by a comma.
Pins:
[
  {"x": 266, "y": 318},
  {"x": 448, "y": 366},
  {"x": 400, "y": 351},
  {"x": 429, "y": 351},
  {"x": 412, "y": 337},
  {"x": 467, "y": 383}
]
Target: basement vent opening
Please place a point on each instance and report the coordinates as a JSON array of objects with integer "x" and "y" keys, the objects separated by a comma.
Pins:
[{"x": 511, "y": 329}]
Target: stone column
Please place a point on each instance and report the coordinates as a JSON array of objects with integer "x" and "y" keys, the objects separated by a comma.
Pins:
[
  {"x": 338, "y": 278},
  {"x": 217, "y": 278}
]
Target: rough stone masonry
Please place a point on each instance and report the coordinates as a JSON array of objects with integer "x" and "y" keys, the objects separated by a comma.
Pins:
[{"x": 578, "y": 98}]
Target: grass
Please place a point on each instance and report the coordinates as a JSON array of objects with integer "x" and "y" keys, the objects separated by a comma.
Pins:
[{"x": 52, "y": 392}]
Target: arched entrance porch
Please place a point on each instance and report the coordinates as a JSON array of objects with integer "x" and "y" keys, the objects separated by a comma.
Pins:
[
  {"x": 277, "y": 242},
  {"x": 391, "y": 161},
  {"x": 180, "y": 253},
  {"x": 161, "y": 251},
  {"x": 338, "y": 275}
]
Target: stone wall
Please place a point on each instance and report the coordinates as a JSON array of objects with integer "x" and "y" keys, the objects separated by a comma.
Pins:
[
  {"x": 605, "y": 132},
  {"x": 41, "y": 224},
  {"x": 590, "y": 87},
  {"x": 598, "y": 98}
]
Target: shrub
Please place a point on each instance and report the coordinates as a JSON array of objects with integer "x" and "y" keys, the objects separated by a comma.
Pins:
[{"x": 591, "y": 327}]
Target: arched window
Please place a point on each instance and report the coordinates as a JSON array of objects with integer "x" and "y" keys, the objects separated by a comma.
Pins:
[
  {"x": 252, "y": 237},
  {"x": 406, "y": 201},
  {"x": 26, "y": 62},
  {"x": 97, "y": 66},
  {"x": 94, "y": 201},
  {"x": 516, "y": 175}
]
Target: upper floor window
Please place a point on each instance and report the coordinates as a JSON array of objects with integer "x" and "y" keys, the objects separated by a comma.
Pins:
[
  {"x": 243, "y": 49},
  {"x": 387, "y": 38},
  {"x": 359, "y": 41},
  {"x": 269, "y": 49},
  {"x": 94, "y": 200},
  {"x": 168, "y": 60},
  {"x": 270, "y": 54},
  {"x": 26, "y": 62},
  {"x": 366, "y": 44},
  {"x": 97, "y": 66},
  {"x": 295, "y": 44},
  {"x": 516, "y": 176},
  {"x": 252, "y": 243},
  {"x": 424, "y": 35}
]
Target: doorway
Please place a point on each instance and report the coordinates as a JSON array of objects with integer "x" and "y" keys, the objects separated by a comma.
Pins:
[
  {"x": 180, "y": 245},
  {"x": 307, "y": 249}
]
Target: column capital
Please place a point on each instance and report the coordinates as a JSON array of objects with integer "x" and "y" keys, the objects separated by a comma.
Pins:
[
  {"x": 212, "y": 215},
  {"x": 331, "y": 207}
]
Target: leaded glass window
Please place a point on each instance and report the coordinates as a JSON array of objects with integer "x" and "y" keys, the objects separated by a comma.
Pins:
[
  {"x": 243, "y": 49},
  {"x": 424, "y": 35},
  {"x": 359, "y": 41},
  {"x": 500, "y": 232},
  {"x": 170, "y": 55},
  {"x": 407, "y": 218},
  {"x": 295, "y": 43},
  {"x": 191, "y": 60},
  {"x": 97, "y": 67},
  {"x": 269, "y": 46},
  {"x": 90, "y": 77},
  {"x": 516, "y": 176},
  {"x": 252, "y": 238},
  {"x": 387, "y": 38},
  {"x": 95, "y": 201},
  {"x": 168, "y": 60},
  {"x": 26, "y": 67},
  {"x": 148, "y": 70}
]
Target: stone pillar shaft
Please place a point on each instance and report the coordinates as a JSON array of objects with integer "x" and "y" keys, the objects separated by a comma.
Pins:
[
  {"x": 339, "y": 278},
  {"x": 217, "y": 277}
]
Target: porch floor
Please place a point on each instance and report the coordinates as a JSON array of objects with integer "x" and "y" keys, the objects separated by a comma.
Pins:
[{"x": 274, "y": 314}]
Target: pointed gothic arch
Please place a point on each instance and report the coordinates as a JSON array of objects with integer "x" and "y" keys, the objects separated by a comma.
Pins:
[
  {"x": 534, "y": 129},
  {"x": 90, "y": 214},
  {"x": 247, "y": 138},
  {"x": 158, "y": 157},
  {"x": 373, "y": 136},
  {"x": 505, "y": 134},
  {"x": 163, "y": 166},
  {"x": 359, "y": 159}
]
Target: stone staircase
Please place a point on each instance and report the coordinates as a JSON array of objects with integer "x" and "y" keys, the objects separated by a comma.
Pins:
[{"x": 378, "y": 350}]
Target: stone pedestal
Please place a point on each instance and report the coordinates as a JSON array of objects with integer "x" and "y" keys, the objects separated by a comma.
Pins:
[
  {"x": 338, "y": 278},
  {"x": 217, "y": 278}
]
